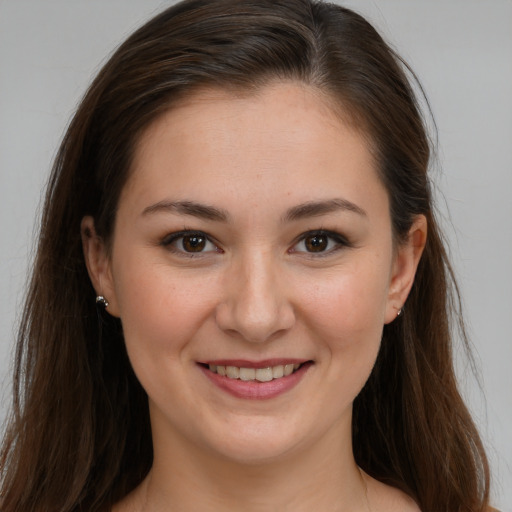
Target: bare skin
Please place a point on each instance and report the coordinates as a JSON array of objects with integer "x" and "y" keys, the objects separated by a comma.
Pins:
[
  {"x": 254, "y": 229},
  {"x": 377, "y": 497}
]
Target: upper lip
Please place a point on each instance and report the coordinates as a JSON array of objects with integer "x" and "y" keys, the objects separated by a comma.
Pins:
[{"x": 264, "y": 363}]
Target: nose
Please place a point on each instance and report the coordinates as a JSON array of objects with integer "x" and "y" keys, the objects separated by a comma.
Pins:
[{"x": 255, "y": 304}]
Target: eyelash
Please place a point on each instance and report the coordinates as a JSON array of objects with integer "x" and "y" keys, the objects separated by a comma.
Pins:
[
  {"x": 169, "y": 241},
  {"x": 331, "y": 237}
]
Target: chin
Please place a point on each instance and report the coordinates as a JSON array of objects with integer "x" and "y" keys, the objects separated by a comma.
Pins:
[
  {"x": 265, "y": 440},
  {"x": 256, "y": 450},
  {"x": 253, "y": 441}
]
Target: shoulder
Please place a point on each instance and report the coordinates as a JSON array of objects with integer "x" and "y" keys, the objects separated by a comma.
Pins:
[
  {"x": 384, "y": 498},
  {"x": 133, "y": 501}
]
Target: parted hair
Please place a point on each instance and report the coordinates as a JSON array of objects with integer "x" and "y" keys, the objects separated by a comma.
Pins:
[{"x": 78, "y": 437}]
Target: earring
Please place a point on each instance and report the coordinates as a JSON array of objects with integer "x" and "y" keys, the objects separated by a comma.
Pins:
[
  {"x": 101, "y": 301},
  {"x": 399, "y": 312}
]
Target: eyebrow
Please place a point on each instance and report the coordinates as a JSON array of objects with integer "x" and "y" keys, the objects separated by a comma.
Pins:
[
  {"x": 318, "y": 208},
  {"x": 192, "y": 208},
  {"x": 301, "y": 211}
]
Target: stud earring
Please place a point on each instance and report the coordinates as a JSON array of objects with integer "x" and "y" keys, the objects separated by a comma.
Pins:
[
  {"x": 101, "y": 301},
  {"x": 399, "y": 312}
]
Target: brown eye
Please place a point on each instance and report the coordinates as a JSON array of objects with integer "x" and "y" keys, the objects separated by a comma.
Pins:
[
  {"x": 316, "y": 243},
  {"x": 321, "y": 243},
  {"x": 194, "y": 243},
  {"x": 190, "y": 243}
]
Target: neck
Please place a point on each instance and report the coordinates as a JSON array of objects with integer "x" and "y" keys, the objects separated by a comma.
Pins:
[{"x": 319, "y": 477}]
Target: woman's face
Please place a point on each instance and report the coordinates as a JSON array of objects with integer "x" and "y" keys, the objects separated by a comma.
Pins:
[{"x": 252, "y": 238}]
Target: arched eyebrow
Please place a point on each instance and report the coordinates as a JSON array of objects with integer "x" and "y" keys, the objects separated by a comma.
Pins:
[
  {"x": 318, "y": 208},
  {"x": 212, "y": 213},
  {"x": 192, "y": 208}
]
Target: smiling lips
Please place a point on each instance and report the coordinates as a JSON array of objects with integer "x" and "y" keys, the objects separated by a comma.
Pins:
[
  {"x": 265, "y": 374},
  {"x": 249, "y": 380}
]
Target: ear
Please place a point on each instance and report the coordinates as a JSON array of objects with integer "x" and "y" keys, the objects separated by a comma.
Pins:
[
  {"x": 407, "y": 257},
  {"x": 98, "y": 264}
]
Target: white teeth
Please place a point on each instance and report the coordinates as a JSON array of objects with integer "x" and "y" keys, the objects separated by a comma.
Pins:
[
  {"x": 278, "y": 371},
  {"x": 264, "y": 374},
  {"x": 247, "y": 373},
  {"x": 232, "y": 372},
  {"x": 288, "y": 369},
  {"x": 260, "y": 374}
]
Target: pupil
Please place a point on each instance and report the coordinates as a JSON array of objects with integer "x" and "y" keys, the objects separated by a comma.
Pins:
[
  {"x": 316, "y": 243},
  {"x": 194, "y": 243}
]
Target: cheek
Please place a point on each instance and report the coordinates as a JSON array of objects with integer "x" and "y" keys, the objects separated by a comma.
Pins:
[
  {"x": 350, "y": 303},
  {"x": 346, "y": 317},
  {"x": 352, "y": 344},
  {"x": 160, "y": 310}
]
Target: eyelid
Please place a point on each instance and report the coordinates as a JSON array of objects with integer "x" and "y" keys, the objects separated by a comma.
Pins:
[
  {"x": 171, "y": 238},
  {"x": 340, "y": 240}
]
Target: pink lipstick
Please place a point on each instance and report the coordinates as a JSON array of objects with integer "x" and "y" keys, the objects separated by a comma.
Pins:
[{"x": 255, "y": 379}]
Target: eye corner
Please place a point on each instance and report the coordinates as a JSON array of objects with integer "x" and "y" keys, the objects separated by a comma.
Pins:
[
  {"x": 194, "y": 243},
  {"x": 321, "y": 243}
]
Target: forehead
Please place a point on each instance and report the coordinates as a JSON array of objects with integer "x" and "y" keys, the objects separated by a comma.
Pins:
[
  {"x": 283, "y": 135},
  {"x": 206, "y": 110}
]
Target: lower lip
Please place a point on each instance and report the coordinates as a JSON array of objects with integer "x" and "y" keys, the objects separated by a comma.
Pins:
[{"x": 256, "y": 390}]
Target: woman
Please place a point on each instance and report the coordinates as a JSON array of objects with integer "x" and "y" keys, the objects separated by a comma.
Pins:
[{"x": 241, "y": 298}]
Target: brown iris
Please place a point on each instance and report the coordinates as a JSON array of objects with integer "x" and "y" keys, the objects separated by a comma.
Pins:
[
  {"x": 194, "y": 243},
  {"x": 316, "y": 243}
]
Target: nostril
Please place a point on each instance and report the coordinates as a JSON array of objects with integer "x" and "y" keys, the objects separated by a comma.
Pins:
[{"x": 255, "y": 319}]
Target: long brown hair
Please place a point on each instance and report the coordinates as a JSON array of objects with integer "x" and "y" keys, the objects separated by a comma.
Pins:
[{"x": 79, "y": 435}]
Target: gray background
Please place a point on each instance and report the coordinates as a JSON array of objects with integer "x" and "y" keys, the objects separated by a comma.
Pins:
[{"x": 462, "y": 53}]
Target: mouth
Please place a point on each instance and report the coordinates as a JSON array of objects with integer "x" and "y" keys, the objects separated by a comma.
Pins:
[
  {"x": 256, "y": 380},
  {"x": 262, "y": 374}
]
